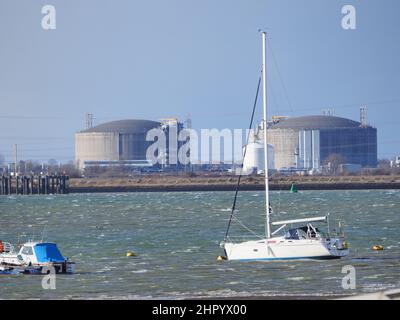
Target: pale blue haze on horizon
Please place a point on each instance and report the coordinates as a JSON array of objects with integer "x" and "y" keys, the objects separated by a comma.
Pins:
[{"x": 154, "y": 59}]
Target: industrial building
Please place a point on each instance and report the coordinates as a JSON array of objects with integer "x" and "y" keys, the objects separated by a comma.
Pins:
[
  {"x": 122, "y": 143},
  {"x": 396, "y": 162},
  {"x": 305, "y": 143}
]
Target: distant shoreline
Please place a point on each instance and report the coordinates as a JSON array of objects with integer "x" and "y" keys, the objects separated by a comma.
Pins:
[{"x": 228, "y": 183}]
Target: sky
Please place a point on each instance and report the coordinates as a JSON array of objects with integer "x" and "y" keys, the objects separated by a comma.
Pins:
[{"x": 151, "y": 59}]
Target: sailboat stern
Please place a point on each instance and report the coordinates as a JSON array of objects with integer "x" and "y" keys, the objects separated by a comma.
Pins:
[{"x": 338, "y": 247}]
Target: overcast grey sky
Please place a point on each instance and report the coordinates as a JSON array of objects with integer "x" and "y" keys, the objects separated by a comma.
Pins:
[{"x": 160, "y": 58}]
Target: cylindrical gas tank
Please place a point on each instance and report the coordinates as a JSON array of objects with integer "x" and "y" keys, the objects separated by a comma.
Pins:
[{"x": 254, "y": 160}]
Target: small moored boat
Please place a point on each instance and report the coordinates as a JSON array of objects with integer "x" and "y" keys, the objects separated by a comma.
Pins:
[{"x": 34, "y": 256}]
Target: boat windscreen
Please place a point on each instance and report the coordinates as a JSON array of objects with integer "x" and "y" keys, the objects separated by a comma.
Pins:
[
  {"x": 292, "y": 235},
  {"x": 296, "y": 234},
  {"x": 48, "y": 252}
]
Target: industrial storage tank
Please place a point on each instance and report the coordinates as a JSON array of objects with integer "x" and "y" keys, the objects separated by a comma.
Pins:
[
  {"x": 254, "y": 159},
  {"x": 114, "y": 141},
  {"x": 307, "y": 142}
]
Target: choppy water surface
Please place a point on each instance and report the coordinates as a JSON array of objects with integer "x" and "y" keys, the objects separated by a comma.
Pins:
[{"x": 177, "y": 236}]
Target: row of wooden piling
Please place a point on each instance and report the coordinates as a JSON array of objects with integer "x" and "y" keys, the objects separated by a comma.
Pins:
[{"x": 29, "y": 185}]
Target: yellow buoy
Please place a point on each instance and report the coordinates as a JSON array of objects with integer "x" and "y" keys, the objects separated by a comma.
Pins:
[
  {"x": 130, "y": 254},
  {"x": 221, "y": 258},
  {"x": 377, "y": 248}
]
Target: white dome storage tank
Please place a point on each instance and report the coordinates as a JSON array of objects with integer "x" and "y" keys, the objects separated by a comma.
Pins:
[{"x": 254, "y": 160}]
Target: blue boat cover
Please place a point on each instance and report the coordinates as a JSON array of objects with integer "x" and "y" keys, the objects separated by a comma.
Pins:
[{"x": 48, "y": 252}]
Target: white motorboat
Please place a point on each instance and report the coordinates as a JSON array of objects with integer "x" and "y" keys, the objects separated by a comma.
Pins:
[
  {"x": 303, "y": 242},
  {"x": 34, "y": 256}
]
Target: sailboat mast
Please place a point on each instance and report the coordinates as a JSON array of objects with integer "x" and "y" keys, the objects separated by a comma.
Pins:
[{"x": 264, "y": 76}]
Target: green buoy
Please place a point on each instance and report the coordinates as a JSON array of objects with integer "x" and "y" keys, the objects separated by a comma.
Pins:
[{"x": 293, "y": 188}]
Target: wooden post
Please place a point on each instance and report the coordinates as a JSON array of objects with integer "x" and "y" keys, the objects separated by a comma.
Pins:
[
  {"x": 58, "y": 185},
  {"x": 52, "y": 185},
  {"x": 66, "y": 184},
  {"x": 63, "y": 184}
]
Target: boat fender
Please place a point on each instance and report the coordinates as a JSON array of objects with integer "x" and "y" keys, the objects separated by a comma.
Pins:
[
  {"x": 377, "y": 248},
  {"x": 221, "y": 258}
]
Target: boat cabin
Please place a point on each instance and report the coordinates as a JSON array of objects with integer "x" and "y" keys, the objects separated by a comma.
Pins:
[
  {"x": 40, "y": 253},
  {"x": 305, "y": 232}
]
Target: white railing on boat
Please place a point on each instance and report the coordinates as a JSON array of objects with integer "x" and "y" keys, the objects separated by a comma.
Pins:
[{"x": 8, "y": 247}]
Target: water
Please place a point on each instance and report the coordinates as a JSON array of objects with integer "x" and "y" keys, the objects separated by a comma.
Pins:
[{"x": 176, "y": 237}]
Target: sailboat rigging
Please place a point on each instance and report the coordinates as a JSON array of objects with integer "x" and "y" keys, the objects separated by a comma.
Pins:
[{"x": 305, "y": 242}]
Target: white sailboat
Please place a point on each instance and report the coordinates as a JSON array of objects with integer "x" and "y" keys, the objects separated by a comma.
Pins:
[{"x": 302, "y": 242}]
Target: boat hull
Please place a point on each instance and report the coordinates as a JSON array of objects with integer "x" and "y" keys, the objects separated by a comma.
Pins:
[
  {"x": 281, "y": 249},
  {"x": 11, "y": 260},
  {"x": 61, "y": 267}
]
